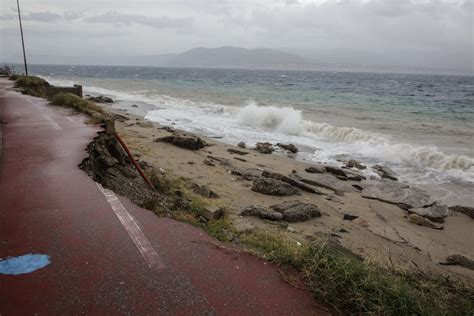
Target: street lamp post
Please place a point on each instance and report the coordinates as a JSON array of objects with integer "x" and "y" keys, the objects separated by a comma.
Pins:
[{"x": 22, "y": 40}]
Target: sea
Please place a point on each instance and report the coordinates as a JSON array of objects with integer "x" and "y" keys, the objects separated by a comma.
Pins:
[{"x": 420, "y": 125}]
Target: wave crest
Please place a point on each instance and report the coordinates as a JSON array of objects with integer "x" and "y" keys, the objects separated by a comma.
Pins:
[{"x": 290, "y": 121}]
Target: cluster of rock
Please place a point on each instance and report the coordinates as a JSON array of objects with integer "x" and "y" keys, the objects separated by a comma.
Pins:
[
  {"x": 100, "y": 99},
  {"x": 420, "y": 208},
  {"x": 290, "y": 211},
  {"x": 268, "y": 148}
]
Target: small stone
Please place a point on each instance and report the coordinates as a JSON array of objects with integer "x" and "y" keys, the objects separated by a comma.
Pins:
[{"x": 242, "y": 145}]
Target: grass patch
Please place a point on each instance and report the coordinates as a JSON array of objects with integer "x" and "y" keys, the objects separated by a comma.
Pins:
[
  {"x": 31, "y": 85},
  {"x": 352, "y": 286},
  {"x": 78, "y": 104}
]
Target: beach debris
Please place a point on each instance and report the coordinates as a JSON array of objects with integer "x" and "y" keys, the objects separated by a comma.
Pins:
[
  {"x": 240, "y": 159},
  {"x": 397, "y": 193},
  {"x": 352, "y": 163},
  {"x": 296, "y": 211},
  {"x": 264, "y": 148},
  {"x": 271, "y": 186},
  {"x": 469, "y": 211},
  {"x": 101, "y": 99},
  {"x": 421, "y": 221},
  {"x": 238, "y": 152},
  {"x": 211, "y": 213},
  {"x": 134, "y": 106},
  {"x": 242, "y": 145},
  {"x": 203, "y": 191},
  {"x": 358, "y": 187},
  {"x": 459, "y": 260},
  {"x": 289, "y": 147},
  {"x": 261, "y": 212},
  {"x": 436, "y": 213},
  {"x": 293, "y": 182},
  {"x": 349, "y": 217},
  {"x": 385, "y": 172},
  {"x": 184, "y": 140},
  {"x": 315, "y": 169}
]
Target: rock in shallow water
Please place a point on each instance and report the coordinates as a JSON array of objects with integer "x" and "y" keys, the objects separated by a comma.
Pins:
[{"x": 270, "y": 186}]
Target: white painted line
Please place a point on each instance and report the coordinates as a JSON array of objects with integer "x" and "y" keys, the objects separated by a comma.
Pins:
[
  {"x": 151, "y": 257},
  {"x": 52, "y": 123}
]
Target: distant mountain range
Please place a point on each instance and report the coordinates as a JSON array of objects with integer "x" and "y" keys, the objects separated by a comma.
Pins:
[
  {"x": 259, "y": 58},
  {"x": 222, "y": 57}
]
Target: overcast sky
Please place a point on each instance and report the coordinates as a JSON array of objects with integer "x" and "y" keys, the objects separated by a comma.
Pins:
[{"x": 424, "y": 32}]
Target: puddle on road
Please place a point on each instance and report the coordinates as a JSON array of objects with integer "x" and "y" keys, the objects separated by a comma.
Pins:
[{"x": 23, "y": 264}]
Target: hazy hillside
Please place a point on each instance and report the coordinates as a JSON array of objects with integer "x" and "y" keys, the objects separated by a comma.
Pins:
[
  {"x": 236, "y": 57},
  {"x": 223, "y": 57}
]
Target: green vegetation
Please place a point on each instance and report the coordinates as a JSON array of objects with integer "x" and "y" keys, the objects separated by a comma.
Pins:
[
  {"x": 31, "y": 85},
  {"x": 335, "y": 276},
  {"x": 69, "y": 100}
]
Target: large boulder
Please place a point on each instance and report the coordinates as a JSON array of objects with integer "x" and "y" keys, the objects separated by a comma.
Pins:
[
  {"x": 186, "y": 141},
  {"x": 397, "y": 193},
  {"x": 271, "y": 186},
  {"x": 296, "y": 211},
  {"x": 435, "y": 212},
  {"x": 264, "y": 148},
  {"x": 261, "y": 212}
]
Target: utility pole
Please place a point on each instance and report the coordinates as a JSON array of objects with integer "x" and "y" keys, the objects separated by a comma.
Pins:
[{"x": 22, "y": 40}]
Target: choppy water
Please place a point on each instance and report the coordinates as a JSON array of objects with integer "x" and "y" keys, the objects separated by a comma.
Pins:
[{"x": 420, "y": 125}]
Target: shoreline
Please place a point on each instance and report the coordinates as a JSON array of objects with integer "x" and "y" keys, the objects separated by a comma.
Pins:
[{"x": 381, "y": 234}]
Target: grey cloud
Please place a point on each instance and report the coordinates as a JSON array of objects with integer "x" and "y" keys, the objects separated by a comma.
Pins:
[
  {"x": 116, "y": 18},
  {"x": 72, "y": 15},
  {"x": 45, "y": 16}
]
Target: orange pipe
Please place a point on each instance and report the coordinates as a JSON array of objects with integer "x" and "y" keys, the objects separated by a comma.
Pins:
[{"x": 140, "y": 171}]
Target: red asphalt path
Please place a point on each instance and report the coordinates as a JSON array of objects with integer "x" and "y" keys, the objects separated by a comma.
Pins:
[{"x": 49, "y": 206}]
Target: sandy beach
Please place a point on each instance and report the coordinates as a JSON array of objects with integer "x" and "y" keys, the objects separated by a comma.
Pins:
[{"x": 382, "y": 232}]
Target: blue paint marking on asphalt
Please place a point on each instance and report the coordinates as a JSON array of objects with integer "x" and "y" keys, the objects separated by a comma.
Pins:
[{"x": 24, "y": 264}]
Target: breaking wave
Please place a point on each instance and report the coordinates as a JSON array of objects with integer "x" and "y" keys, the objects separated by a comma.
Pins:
[{"x": 290, "y": 121}]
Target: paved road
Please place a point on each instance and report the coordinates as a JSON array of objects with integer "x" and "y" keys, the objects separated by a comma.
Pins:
[{"x": 107, "y": 255}]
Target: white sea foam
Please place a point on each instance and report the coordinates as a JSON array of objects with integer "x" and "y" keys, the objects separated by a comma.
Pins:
[{"x": 290, "y": 121}]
